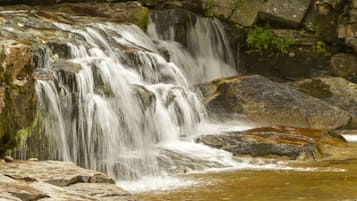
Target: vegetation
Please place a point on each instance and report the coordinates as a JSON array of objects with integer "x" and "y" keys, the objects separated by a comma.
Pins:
[
  {"x": 336, "y": 135},
  {"x": 263, "y": 40},
  {"x": 237, "y": 3},
  {"x": 210, "y": 5},
  {"x": 319, "y": 49},
  {"x": 316, "y": 88}
]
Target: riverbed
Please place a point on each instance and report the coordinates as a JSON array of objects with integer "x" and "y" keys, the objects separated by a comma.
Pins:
[{"x": 331, "y": 181}]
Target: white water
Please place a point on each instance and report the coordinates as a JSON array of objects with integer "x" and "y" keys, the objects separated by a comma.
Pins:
[
  {"x": 350, "y": 138},
  {"x": 207, "y": 56},
  {"x": 127, "y": 104}
]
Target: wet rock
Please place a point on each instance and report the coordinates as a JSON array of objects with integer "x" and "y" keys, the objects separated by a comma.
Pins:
[
  {"x": 178, "y": 163},
  {"x": 9, "y": 159},
  {"x": 54, "y": 180},
  {"x": 180, "y": 20},
  {"x": 271, "y": 103},
  {"x": 293, "y": 143},
  {"x": 66, "y": 66}
]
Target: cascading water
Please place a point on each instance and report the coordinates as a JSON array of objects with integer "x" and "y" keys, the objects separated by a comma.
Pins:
[
  {"x": 114, "y": 103},
  {"x": 119, "y": 105},
  {"x": 110, "y": 98},
  {"x": 207, "y": 54}
]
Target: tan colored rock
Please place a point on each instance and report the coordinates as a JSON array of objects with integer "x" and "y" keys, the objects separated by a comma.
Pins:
[
  {"x": 292, "y": 143},
  {"x": 9, "y": 159},
  {"x": 54, "y": 172},
  {"x": 56, "y": 181}
]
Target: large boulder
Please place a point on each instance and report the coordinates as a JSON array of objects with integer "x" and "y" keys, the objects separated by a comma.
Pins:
[
  {"x": 333, "y": 90},
  {"x": 271, "y": 103},
  {"x": 344, "y": 65},
  {"x": 292, "y": 143},
  {"x": 54, "y": 180}
]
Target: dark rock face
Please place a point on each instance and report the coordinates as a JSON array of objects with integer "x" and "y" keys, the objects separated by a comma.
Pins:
[
  {"x": 27, "y": 38},
  {"x": 53, "y": 180},
  {"x": 272, "y": 103},
  {"x": 17, "y": 94},
  {"x": 287, "y": 142},
  {"x": 344, "y": 65},
  {"x": 181, "y": 20}
]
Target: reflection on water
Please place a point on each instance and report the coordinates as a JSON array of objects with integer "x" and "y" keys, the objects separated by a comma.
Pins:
[{"x": 269, "y": 185}]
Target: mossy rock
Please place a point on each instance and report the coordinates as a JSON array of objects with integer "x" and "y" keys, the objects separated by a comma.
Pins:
[
  {"x": 316, "y": 88},
  {"x": 142, "y": 17}
]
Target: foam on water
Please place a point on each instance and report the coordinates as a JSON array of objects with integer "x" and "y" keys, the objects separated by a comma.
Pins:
[
  {"x": 163, "y": 183},
  {"x": 350, "y": 138}
]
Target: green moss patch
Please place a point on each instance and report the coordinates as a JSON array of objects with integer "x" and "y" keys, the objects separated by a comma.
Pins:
[{"x": 316, "y": 88}]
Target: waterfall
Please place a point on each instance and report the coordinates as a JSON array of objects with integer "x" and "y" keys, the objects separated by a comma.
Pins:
[
  {"x": 118, "y": 100},
  {"x": 206, "y": 55}
]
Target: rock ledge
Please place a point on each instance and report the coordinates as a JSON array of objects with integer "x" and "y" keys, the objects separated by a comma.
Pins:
[{"x": 55, "y": 180}]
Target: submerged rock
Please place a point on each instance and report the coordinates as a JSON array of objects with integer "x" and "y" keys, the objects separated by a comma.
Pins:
[
  {"x": 54, "y": 180},
  {"x": 293, "y": 143},
  {"x": 271, "y": 103}
]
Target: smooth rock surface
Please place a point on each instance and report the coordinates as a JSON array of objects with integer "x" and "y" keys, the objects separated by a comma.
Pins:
[
  {"x": 336, "y": 91},
  {"x": 293, "y": 143},
  {"x": 270, "y": 103}
]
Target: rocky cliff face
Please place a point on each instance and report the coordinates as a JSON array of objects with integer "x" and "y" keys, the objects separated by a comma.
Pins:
[
  {"x": 17, "y": 93},
  {"x": 27, "y": 34}
]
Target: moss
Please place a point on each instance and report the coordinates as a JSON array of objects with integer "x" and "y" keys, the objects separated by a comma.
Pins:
[
  {"x": 319, "y": 48},
  {"x": 316, "y": 88},
  {"x": 23, "y": 134},
  {"x": 342, "y": 73},
  {"x": 209, "y": 8},
  {"x": 264, "y": 41},
  {"x": 180, "y": 34},
  {"x": 142, "y": 18},
  {"x": 237, "y": 3}
]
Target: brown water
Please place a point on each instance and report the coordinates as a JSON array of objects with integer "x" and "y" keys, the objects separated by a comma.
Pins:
[{"x": 269, "y": 185}]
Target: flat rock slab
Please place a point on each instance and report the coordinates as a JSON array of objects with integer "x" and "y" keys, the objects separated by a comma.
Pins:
[
  {"x": 55, "y": 180},
  {"x": 293, "y": 143}
]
